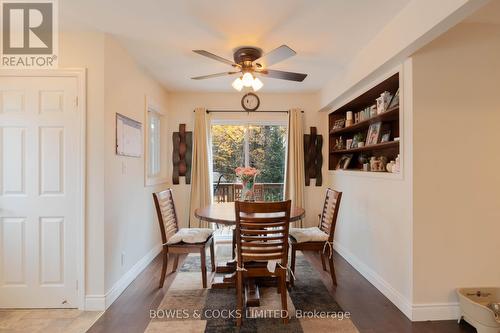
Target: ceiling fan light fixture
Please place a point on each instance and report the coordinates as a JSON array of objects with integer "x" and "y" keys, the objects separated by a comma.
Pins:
[
  {"x": 247, "y": 79},
  {"x": 257, "y": 84},
  {"x": 238, "y": 84}
]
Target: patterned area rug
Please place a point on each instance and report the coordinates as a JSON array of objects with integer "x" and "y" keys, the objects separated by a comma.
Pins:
[{"x": 187, "y": 307}]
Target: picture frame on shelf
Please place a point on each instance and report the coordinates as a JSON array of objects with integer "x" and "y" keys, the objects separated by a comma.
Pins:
[
  {"x": 373, "y": 136},
  {"x": 394, "y": 101},
  {"x": 344, "y": 162},
  {"x": 338, "y": 124},
  {"x": 385, "y": 135}
]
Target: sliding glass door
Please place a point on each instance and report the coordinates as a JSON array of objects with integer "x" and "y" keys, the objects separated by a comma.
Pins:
[{"x": 255, "y": 144}]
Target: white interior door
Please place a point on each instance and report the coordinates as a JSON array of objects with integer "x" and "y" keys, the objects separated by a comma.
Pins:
[{"x": 39, "y": 191}]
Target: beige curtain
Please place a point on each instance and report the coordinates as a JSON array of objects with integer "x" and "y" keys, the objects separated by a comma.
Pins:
[
  {"x": 201, "y": 193},
  {"x": 295, "y": 179}
]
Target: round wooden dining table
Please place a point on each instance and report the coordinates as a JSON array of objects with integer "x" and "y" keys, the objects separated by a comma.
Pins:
[{"x": 224, "y": 213}]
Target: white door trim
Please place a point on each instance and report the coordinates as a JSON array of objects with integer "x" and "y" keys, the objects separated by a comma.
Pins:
[{"x": 80, "y": 75}]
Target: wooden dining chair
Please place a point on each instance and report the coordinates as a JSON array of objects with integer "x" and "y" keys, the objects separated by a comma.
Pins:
[
  {"x": 179, "y": 241},
  {"x": 261, "y": 236},
  {"x": 327, "y": 222}
]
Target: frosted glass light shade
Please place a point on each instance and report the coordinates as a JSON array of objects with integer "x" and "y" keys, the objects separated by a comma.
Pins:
[
  {"x": 237, "y": 84},
  {"x": 247, "y": 79},
  {"x": 257, "y": 84}
]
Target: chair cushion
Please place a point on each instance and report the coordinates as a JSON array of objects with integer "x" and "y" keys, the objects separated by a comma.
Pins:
[
  {"x": 190, "y": 235},
  {"x": 314, "y": 234}
]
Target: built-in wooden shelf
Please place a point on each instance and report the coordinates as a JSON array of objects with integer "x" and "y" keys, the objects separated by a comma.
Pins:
[
  {"x": 378, "y": 146},
  {"x": 389, "y": 120},
  {"x": 388, "y": 115}
]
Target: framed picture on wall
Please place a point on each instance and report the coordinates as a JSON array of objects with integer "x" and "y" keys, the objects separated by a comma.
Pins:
[{"x": 128, "y": 136}]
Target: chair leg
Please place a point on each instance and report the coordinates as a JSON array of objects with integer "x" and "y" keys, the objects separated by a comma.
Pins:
[
  {"x": 332, "y": 271},
  {"x": 282, "y": 286},
  {"x": 292, "y": 266},
  {"x": 212, "y": 254},
  {"x": 239, "y": 297},
  {"x": 203, "y": 267},
  {"x": 176, "y": 263},
  {"x": 323, "y": 260},
  {"x": 233, "y": 248},
  {"x": 164, "y": 267}
]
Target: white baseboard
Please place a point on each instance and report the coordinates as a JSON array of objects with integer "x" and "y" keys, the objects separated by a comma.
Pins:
[
  {"x": 102, "y": 302},
  {"x": 95, "y": 303},
  {"x": 435, "y": 311},
  {"x": 382, "y": 285}
]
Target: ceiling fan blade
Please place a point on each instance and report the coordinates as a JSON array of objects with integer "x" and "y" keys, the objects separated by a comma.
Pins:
[
  {"x": 213, "y": 75},
  {"x": 278, "y": 54},
  {"x": 216, "y": 57},
  {"x": 291, "y": 76}
]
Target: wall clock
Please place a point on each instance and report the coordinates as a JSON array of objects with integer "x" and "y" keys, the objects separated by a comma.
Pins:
[{"x": 250, "y": 102}]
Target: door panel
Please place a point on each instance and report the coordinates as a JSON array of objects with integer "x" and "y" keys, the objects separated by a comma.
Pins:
[
  {"x": 13, "y": 251},
  {"x": 39, "y": 191}
]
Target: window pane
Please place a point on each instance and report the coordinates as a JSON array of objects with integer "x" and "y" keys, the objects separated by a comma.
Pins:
[
  {"x": 154, "y": 145},
  {"x": 267, "y": 153},
  {"x": 227, "y": 151}
]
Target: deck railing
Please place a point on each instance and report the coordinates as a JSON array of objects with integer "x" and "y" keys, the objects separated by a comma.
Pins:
[{"x": 228, "y": 192}]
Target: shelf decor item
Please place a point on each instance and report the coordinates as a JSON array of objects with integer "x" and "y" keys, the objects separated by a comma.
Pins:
[
  {"x": 383, "y": 102},
  {"x": 394, "y": 101},
  {"x": 344, "y": 162},
  {"x": 339, "y": 124},
  {"x": 349, "y": 119},
  {"x": 339, "y": 144},
  {"x": 378, "y": 164},
  {"x": 373, "y": 133},
  {"x": 348, "y": 144},
  {"x": 247, "y": 177},
  {"x": 358, "y": 137}
]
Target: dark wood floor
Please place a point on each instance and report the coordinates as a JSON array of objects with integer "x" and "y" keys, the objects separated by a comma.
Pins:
[{"x": 371, "y": 311}]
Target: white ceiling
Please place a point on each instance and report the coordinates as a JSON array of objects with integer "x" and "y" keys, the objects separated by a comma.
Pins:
[{"x": 326, "y": 34}]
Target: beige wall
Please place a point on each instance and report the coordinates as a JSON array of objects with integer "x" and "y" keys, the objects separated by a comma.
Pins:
[
  {"x": 181, "y": 106},
  {"x": 85, "y": 49},
  {"x": 119, "y": 211},
  {"x": 456, "y": 158},
  {"x": 131, "y": 228}
]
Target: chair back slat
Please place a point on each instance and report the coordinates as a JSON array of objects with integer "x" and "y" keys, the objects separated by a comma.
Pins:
[
  {"x": 328, "y": 218},
  {"x": 262, "y": 231},
  {"x": 167, "y": 216}
]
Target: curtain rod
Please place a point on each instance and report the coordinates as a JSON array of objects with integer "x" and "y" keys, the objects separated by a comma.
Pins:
[{"x": 222, "y": 111}]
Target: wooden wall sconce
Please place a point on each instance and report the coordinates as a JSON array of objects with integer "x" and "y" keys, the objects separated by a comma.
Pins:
[
  {"x": 313, "y": 159},
  {"x": 182, "y": 153}
]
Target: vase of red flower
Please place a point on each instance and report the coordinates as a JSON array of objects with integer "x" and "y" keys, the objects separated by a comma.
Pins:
[{"x": 247, "y": 177}]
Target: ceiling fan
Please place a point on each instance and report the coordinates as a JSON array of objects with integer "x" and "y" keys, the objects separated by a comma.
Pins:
[{"x": 249, "y": 62}]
